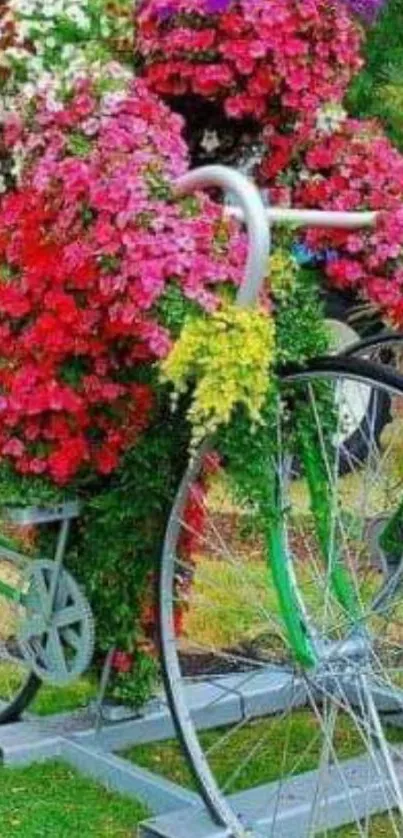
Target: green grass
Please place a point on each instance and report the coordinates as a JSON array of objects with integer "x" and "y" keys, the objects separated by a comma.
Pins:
[
  {"x": 378, "y": 90},
  {"x": 380, "y": 828},
  {"x": 167, "y": 758},
  {"x": 273, "y": 735},
  {"x": 60, "y": 700},
  {"x": 51, "y": 699},
  {"x": 53, "y": 801}
]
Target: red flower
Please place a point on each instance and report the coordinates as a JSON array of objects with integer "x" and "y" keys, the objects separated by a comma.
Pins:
[{"x": 122, "y": 661}]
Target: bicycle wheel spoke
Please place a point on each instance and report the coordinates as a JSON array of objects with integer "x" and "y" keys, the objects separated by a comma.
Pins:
[{"x": 276, "y": 716}]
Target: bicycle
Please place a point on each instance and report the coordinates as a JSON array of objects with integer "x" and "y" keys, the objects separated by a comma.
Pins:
[
  {"x": 289, "y": 639},
  {"x": 46, "y": 626},
  {"x": 293, "y": 637}
]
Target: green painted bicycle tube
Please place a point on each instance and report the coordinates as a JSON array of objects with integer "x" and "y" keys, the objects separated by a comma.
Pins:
[{"x": 10, "y": 593}]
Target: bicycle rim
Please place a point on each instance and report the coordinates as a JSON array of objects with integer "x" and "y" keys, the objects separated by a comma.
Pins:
[{"x": 317, "y": 740}]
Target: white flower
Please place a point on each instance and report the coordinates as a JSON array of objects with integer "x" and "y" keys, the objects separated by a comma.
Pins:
[
  {"x": 330, "y": 117},
  {"x": 210, "y": 141}
]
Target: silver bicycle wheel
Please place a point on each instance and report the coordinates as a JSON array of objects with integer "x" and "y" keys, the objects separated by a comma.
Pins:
[
  {"x": 18, "y": 684},
  {"x": 288, "y": 695},
  {"x": 385, "y": 348}
]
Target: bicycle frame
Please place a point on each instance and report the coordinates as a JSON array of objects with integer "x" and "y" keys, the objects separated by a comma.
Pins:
[
  {"x": 62, "y": 515},
  {"x": 258, "y": 220}
]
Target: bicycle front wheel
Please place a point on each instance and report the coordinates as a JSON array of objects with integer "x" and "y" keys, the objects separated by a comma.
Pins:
[
  {"x": 282, "y": 645},
  {"x": 18, "y": 684},
  {"x": 384, "y": 348}
]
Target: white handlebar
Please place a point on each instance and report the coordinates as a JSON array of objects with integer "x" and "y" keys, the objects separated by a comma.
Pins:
[
  {"x": 259, "y": 218},
  {"x": 313, "y": 218},
  {"x": 253, "y": 213}
]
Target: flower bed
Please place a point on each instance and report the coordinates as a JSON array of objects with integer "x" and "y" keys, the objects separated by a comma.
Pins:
[
  {"x": 99, "y": 264},
  {"x": 242, "y": 61}
]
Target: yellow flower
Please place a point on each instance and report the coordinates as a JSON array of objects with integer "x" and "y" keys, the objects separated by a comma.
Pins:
[
  {"x": 226, "y": 358},
  {"x": 283, "y": 272}
]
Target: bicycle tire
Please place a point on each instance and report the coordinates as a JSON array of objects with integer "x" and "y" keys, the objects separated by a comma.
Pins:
[{"x": 222, "y": 812}]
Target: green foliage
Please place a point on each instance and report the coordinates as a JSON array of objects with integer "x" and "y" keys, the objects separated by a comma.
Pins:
[
  {"x": 226, "y": 359},
  {"x": 16, "y": 490},
  {"x": 378, "y": 89},
  {"x": 301, "y": 333},
  {"x": 392, "y": 536},
  {"x": 79, "y": 145},
  {"x": 117, "y": 546},
  {"x": 173, "y": 308},
  {"x": 135, "y": 688}
]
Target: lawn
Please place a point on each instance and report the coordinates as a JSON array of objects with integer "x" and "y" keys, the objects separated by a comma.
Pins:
[
  {"x": 52, "y": 801},
  {"x": 61, "y": 700}
]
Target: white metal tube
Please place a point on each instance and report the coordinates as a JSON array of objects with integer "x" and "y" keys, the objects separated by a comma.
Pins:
[
  {"x": 313, "y": 218},
  {"x": 252, "y": 212}
]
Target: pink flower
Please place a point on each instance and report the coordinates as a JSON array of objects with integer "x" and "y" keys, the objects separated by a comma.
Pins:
[{"x": 13, "y": 448}]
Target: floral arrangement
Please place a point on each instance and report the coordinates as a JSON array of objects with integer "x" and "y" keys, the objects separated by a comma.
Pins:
[
  {"x": 304, "y": 148},
  {"x": 271, "y": 62},
  {"x": 349, "y": 165},
  {"x": 89, "y": 242},
  {"x": 99, "y": 262},
  {"x": 106, "y": 277},
  {"x": 46, "y": 44},
  {"x": 46, "y": 47}
]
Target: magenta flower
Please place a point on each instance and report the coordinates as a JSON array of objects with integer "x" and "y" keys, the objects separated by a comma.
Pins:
[
  {"x": 217, "y": 6},
  {"x": 366, "y": 9}
]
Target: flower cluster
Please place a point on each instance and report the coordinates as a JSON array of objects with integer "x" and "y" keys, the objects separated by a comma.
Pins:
[
  {"x": 280, "y": 64},
  {"x": 42, "y": 39},
  {"x": 88, "y": 245},
  {"x": 226, "y": 358},
  {"x": 47, "y": 46},
  {"x": 276, "y": 61},
  {"x": 368, "y": 10},
  {"x": 352, "y": 167}
]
